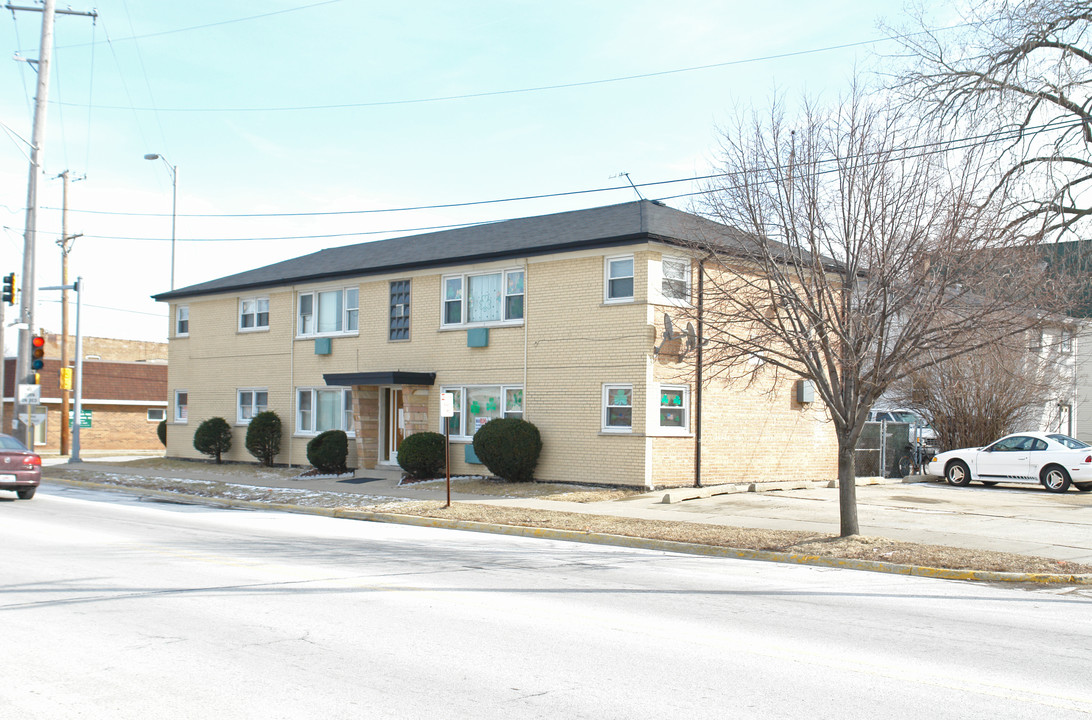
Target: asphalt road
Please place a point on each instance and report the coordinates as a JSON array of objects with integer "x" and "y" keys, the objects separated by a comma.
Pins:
[{"x": 122, "y": 608}]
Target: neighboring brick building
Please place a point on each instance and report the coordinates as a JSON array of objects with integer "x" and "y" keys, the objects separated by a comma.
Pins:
[
  {"x": 552, "y": 318},
  {"x": 124, "y": 394}
]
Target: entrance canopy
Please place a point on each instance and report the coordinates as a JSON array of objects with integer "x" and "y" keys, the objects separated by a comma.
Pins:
[{"x": 389, "y": 377}]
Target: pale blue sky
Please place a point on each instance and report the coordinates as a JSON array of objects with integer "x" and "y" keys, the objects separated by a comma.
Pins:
[{"x": 203, "y": 84}]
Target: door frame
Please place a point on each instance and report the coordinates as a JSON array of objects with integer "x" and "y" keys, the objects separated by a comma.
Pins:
[{"x": 392, "y": 424}]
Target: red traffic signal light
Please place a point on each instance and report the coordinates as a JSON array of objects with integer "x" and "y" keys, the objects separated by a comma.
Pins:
[{"x": 37, "y": 352}]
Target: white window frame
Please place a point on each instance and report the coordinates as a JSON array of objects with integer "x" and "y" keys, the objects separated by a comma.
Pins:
[
  {"x": 349, "y": 322},
  {"x": 183, "y": 417},
  {"x": 461, "y": 409},
  {"x": 239, "y": 419},
  {"x": 464, "y": 299},
  {"x": 607, "y": 277},
  {"x": 657, "y": 407},
  {"x": 256, "y": 312},
  {"x": 161, "y": 413},
  {"x": 685, "y": 262},
  {"x": 345, "y": 405},
  {"x": 607, "y": 387},
  {"x": 178, "y": 320}
]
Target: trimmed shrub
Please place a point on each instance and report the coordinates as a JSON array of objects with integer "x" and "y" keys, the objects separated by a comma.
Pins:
[
  {"x": 161, "y": 431},
  {"x": 509, "y": 447},
  {"x": 213, "y": 437},
  {"x": 263, "y": 437},
  {"x": 328, "y": 452},
  {"x": 421, "y": 455}
]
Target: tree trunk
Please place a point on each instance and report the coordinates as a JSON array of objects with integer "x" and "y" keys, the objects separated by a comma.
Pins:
[{"x": 847, "y": 488}]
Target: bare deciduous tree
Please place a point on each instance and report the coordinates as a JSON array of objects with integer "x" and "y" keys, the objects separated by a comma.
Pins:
[
  {"x": 1018, "y": 72},
  {"x": 1004, "y": 387},
  {"x": 858, "y": 260}
]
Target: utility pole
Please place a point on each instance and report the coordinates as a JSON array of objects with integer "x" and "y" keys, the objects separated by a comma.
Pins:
[
  {"x": 27, "y": 298},
  {"x": 66, "y": 246}
]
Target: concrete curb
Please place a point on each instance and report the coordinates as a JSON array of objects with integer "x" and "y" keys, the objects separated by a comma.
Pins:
[{"x": 603, "y": 538}]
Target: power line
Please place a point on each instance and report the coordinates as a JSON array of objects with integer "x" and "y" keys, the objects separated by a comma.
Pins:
[
  {"x": 537, "y": 88},
  {"x": 958, "y": 143},
  {"x": 208, "y": 25}
]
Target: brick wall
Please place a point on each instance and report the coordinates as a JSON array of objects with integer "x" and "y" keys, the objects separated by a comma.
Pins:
[{"x": 571, "y": 343}]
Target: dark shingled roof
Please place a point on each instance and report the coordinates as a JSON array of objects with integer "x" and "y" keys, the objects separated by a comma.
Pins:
[{"x": 541, "y": 235}]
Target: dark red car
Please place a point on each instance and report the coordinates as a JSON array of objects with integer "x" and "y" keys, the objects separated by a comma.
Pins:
[{"x": 20, "y": 469}]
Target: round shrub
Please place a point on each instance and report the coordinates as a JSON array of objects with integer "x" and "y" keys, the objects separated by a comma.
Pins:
[
  {"x": 263, "y": 437},
  {"x": 213, "y": 437},
  {"x": 509, "y": 447},
  {"x": 161, "y": 431},
  {"x": 421, "y": 455},
  {"x": 328, "y": 452}
]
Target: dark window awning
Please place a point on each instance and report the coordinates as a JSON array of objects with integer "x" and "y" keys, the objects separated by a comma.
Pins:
[{"x": 389, "y": 377}]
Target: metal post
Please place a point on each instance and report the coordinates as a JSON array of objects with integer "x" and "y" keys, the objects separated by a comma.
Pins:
[
  {"x": 174, "y": 215},
  {"x": 697, "y": 388},
  {"x": 78, "y": 380}
]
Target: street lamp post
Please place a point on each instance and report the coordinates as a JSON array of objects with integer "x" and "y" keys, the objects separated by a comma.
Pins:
[{"x": 174, "y": 202}]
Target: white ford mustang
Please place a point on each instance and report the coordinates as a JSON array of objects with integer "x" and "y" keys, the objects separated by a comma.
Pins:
[{"x": 1053, "y": 459}]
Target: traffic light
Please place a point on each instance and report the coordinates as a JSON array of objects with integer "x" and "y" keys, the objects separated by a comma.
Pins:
[
  {"x": 37, "y": 353},
  {"x": 9, "y": 288}
]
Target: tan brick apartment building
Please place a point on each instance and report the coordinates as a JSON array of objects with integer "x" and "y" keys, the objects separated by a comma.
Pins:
[
  {"x": 124, "y": 394},
  {"x": 551, "y": 318}
]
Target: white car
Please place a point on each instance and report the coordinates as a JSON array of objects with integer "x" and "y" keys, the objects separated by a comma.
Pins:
[{"x": 1053, "y": 459}]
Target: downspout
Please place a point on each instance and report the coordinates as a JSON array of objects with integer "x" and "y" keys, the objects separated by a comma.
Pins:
[
  {"x": 292, "y": 369},
  {"x": 526, "y": 284},
  {"x": 697, "y": 389}
]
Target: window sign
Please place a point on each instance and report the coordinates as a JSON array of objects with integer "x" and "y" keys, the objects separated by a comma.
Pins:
[
  {"x": 617, "y": 407},
  {"x": 673, "y": 407}
]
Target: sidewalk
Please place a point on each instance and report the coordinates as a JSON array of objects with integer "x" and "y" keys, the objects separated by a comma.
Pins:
[{"x": 1023, "y": 520}]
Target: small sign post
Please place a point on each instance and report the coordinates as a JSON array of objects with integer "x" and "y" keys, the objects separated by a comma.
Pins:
[{"x": 447, "y": 411}]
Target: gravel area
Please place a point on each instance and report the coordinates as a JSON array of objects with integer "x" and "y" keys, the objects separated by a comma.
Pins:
[{"x": 236, "y": 484}]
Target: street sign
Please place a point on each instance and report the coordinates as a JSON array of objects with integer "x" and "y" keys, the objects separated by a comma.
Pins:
[
  {"x": 85, "y": 418},
  {"x": 66, "y": 378},
  {"x": 29, "y": 394},
  {"x": 447, "y": 404}
]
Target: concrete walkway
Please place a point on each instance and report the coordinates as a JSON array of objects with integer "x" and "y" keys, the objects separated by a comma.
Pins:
[{"x": 1024, "y": 520}]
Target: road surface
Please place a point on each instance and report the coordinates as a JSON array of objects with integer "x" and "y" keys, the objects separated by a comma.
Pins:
[{"x": 115, "y": 607}]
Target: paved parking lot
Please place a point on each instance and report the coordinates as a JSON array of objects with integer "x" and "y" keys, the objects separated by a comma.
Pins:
[{"x": 1016, "y": 519}]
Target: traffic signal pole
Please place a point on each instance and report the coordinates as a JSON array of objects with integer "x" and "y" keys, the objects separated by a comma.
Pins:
[
  {"x": 30, "y": 235},
  {"x": 27, "y": 297}
]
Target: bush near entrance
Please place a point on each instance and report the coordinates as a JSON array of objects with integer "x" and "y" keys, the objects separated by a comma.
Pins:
[
  {"x": 509, "y": 447},
  {"x": 161, "y": 431},
  {"x": 263, "y": 437},
  {"x": 328, "y": 452},
  {"x": 421, "y": 455}
]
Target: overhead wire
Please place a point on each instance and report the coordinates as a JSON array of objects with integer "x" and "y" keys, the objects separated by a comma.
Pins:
[
  {"x": 958, "y": 143},
  {"x": 533, "y": 89}
]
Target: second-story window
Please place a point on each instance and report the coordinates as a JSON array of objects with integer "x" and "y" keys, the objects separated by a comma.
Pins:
[
  {"x": 675, "y": 284},
  {"x": 619, "y": 279},
  {"x": 400, "y": 307},
  {"x": 182, "y": 324},
  {"x": 328, "y": 312},
  {"x": 483, "y": 298},
  {"x": 254, "y": 314}
]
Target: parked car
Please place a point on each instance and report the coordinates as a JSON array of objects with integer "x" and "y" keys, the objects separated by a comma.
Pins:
[
  {"x": 920, "y": 429},
  {"x": 20, "y": 469},
  {"x": 1052, "y": 459}
]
